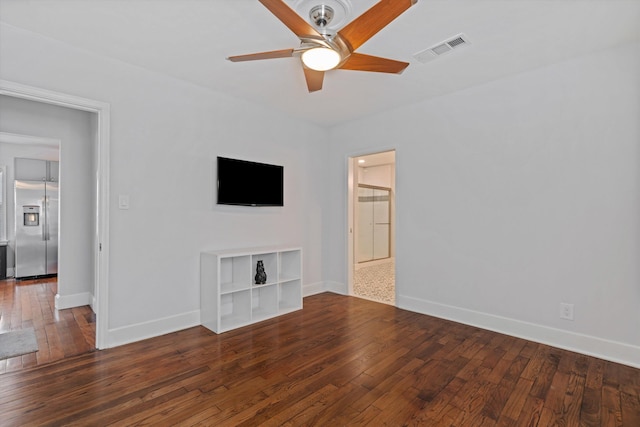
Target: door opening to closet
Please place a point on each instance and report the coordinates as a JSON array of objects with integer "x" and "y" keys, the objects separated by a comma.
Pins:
[{"x": 372, "y": 255}]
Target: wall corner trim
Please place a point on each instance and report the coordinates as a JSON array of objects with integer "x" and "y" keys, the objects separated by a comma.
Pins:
[
  {"x": 337, "y": 288},
  {"x": 313, "y": 289},
  {"x": 320, "y": 287}
]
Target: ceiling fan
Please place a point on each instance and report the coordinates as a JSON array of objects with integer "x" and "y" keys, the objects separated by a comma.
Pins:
[{"x": 321, "y": 51}]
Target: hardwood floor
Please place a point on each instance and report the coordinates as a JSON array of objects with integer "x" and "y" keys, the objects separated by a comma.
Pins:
[
  {"x": 60, "y": 333},
  {"x": 339, "y": 361}
]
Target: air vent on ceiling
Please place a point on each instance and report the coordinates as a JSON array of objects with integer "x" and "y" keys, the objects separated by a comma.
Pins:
[{"x": 441, "y": 48}]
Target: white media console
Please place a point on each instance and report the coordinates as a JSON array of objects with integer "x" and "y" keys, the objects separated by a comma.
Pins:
[{"x": 229, "y": 297}]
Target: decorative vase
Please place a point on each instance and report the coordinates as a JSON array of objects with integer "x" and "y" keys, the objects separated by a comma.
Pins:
[{"x": 261, "y": 275}]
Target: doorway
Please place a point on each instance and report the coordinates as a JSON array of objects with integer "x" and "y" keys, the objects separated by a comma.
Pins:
[
  {"x": 29, "y": 221},
  {"x": 100, "y": 119},
  {"x": 372, "y": 231}
]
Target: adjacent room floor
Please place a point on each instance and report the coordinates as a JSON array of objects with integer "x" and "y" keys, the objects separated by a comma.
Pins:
[
  {"x": 376, "y": 280},
  {"x": 60, "y": 333}
]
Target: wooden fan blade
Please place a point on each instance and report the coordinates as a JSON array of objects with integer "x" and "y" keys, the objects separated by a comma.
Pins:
[
  {"x": 290, "y": 18},
  {"x": 284, "y": 53},
  {"x": 361, "y": 62},
  {"x": 373, "y": 20},
  {"x": 314, "y": 79}
]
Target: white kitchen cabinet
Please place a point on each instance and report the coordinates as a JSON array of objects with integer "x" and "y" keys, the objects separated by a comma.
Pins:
[{"x": 229, "y": 297}]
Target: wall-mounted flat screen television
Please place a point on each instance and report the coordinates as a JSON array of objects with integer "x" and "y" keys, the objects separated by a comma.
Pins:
[{"x": 245, "y": 183}]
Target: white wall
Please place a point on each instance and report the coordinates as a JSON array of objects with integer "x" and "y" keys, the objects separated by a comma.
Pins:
[
  {"x": 513, "y": 197},
  {"x": 77, "y": 213},
  {"x": 165, "y": 136}
]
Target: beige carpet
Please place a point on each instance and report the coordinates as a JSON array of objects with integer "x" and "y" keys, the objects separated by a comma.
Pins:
[{"x": 376, "y": 281}]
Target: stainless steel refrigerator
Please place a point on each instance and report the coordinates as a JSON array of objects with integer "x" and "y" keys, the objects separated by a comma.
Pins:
[{"x": 36, "y": 205}]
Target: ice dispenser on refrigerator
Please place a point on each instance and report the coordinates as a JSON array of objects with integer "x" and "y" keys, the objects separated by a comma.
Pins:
[{"x": 31, "y": 216}]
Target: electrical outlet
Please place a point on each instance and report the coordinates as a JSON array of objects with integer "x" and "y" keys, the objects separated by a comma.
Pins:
[{"x": 566, "y": 311}]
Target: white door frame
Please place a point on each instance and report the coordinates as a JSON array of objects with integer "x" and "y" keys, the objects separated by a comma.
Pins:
[
  {"x": 351, "y": 192},
  {"x": 101, "y": 253}
]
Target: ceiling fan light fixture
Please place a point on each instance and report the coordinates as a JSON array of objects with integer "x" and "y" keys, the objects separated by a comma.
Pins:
[{"x": 321, "y": 58}]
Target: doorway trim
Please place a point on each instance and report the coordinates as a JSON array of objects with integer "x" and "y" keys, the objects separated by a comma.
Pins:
[{"x": 102, "y": 145}]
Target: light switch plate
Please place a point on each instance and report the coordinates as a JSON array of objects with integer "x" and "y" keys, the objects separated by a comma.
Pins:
[{"x": 123, "y": 201}]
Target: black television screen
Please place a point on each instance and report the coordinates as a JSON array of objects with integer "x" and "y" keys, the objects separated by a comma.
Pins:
[{"x": 245, "y": 183}]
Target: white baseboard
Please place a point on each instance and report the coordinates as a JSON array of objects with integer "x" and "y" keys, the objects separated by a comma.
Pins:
[
  {"x": 593, "y": 346},
  {"x": 336, "y": 288},
  {"x": 313, "y": 289},
  {"x": 153, "y": 328},
  {"x": 589, "y": 345},
  {"x": 63, "y": 302},
  {"x": 320, "y": 287}
]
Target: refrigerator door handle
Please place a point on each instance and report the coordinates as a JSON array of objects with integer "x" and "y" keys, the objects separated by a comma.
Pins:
[
  {"x": 46, "y": 219},
  {"x": 44, "y": 226}
]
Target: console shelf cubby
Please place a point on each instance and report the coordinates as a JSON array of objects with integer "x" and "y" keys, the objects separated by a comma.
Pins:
[{"x": 229, "y": 297}]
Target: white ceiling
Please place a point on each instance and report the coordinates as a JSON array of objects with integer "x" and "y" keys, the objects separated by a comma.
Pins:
[{"x": 190, "y": 39}]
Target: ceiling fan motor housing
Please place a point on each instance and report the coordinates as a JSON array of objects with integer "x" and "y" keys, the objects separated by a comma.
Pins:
[
  {"x": 321, "y": 15},
  {"x": 326, "y": 16}
]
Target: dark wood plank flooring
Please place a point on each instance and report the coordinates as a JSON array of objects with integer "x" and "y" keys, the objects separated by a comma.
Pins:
[
  {"x": 339, "y": 361},
  {"x": 60, "y": 333}
]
